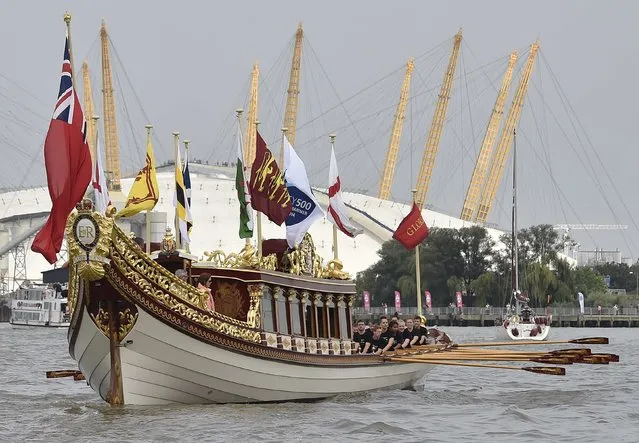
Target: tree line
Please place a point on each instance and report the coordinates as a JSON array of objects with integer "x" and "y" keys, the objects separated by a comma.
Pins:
[{"x": 470, "y": 261}]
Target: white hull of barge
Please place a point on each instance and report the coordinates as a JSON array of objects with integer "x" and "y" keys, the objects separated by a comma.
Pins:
[{"x": 161, "y": 365}]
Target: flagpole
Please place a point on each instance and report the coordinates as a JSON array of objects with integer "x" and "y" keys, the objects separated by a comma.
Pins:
[
  {"x": 284, "y": 131},
  {"x": 417, "y": 272},
  {"x": 176, "y": 146},
  {"x": 148, "y": 212},
  {"x": 239, "y": 112},
  {"x": 186, "y": 197},
  {"x": 335, "y": 252},
  {"x": 67, "y": 20},
  {"x": 95, "y": 119},
  {"x": 259, "y": 215}
]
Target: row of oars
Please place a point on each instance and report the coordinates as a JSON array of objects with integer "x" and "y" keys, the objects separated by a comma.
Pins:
[
  {"x": 467, "y": 354},
  {"x": 77, "y": 375}
]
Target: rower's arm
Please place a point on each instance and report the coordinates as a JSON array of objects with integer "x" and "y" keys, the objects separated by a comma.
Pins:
[{"x": 389, "y": 345}]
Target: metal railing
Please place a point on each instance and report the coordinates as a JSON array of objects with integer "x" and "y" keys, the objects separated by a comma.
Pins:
[{"x": 492, "y": 310}]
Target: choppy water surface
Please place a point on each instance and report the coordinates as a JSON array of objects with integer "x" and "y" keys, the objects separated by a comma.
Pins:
[{"x": 591, "y": 403}]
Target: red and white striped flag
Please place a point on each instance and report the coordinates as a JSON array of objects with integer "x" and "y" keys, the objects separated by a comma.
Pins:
[{"x": 337, "y": 213}]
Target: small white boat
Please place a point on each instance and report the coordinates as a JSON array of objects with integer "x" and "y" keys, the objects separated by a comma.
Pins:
[
  {"x": 524, "y": 324},
  {"x": 39, "y": 305}
]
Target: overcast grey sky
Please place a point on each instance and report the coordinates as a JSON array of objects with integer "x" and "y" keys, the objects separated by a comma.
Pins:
[{"x": 189, "y": 63}]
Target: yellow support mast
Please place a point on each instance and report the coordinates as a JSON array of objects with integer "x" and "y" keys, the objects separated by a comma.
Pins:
[
  {"x": 486, "y": 151},
  {"x": 505, "y": 141},
  {"x": 88, "y": 109},
  {"x": 292, "y": 99},
  {"x": 396, "y": 135},
  {"x": 435, "y": 133},
  {"x": 251, "y": 118},
  {"x": 110, "y": 127}
]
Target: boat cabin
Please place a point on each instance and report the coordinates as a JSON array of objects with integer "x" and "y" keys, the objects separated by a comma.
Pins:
[{"x": 297, "y": 311}]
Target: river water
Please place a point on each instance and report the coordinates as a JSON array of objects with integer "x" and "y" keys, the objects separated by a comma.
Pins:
[{"x": 591, "y": 403}]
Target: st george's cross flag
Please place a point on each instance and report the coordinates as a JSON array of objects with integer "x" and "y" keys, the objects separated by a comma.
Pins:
[
  {"x": 98, "y": 181},
  {"x": 337, "y": 213},
  {"x": 68, "y": 163},
  {"x": 305, "y": 208}
]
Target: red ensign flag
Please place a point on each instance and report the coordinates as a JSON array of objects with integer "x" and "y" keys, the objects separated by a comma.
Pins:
[
  {"x": 68, "y": 162},
  {"x": 412, "y": 230}
]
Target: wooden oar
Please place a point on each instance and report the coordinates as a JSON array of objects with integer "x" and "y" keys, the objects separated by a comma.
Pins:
[
  {"x": 78, "y": 377},
  {"x": 577, "y": 341},
  {"x": 610, "y": 357},
  {"x": 548, "y": 370},
  {"x": 457, "y": 357},
  {"x": 63, "y": 373},
  {"x": 576, "y": 351},
  {"x": 593, "y": 360},
  {"x": 480, "y": 354}
]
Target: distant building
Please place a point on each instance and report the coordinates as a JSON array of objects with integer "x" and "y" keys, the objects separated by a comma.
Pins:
[{"x": 599, "y": 256}]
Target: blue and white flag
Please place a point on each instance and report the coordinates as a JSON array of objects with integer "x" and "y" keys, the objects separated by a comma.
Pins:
[{"x": 306, "y": 209}]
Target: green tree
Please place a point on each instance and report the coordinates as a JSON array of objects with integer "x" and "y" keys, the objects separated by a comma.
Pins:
[
  {"x": 476, "y": 248},
  {"x": 589, "y": 282},
  {"x": 486, "y": 288}
]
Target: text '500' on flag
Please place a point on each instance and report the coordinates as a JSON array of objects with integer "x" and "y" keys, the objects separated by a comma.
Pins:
[
  {"x": 305, "y": 208},
  {"x": 68, "y": 162},
  {"x": 412, "y": 230},
  {"x": 268, "y": 189},
  {"x": 145, "y": 192},
  {"x": 182, "y": 209},
  {"x": 337, "y": 213},
  {"x": 243, "y": 195}
]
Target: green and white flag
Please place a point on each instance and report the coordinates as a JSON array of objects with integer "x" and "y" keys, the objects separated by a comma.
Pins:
[{"x": 243, "y": 195}]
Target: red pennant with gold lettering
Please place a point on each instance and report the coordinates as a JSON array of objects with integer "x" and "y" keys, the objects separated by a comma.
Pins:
[
  {"x": 412, "y": 230},
  {"x": 269, "y": 194}
]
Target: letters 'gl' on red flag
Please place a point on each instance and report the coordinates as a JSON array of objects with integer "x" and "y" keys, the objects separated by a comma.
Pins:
[
  {"x": 412, "y": 230},
  {"x": 269, "y": 194},
  {"x": 68, "y": 162}
]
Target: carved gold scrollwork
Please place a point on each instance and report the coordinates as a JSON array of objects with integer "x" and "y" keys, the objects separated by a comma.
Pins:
[
  {"x": 127, "y": 319},
  {"x": 333, "y": 270},
  {"x": 246, "y": 258},
  {"x": 86, "y": 262},
  {"x": 253, "y": 318},
  {"x": 156, "y": 282},
  {"x": 292, "y": 293}
]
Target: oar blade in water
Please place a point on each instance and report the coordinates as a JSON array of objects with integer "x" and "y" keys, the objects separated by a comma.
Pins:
[
  {"x": 590, "y": 341},
  {"x": 547, "y": 370}
]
